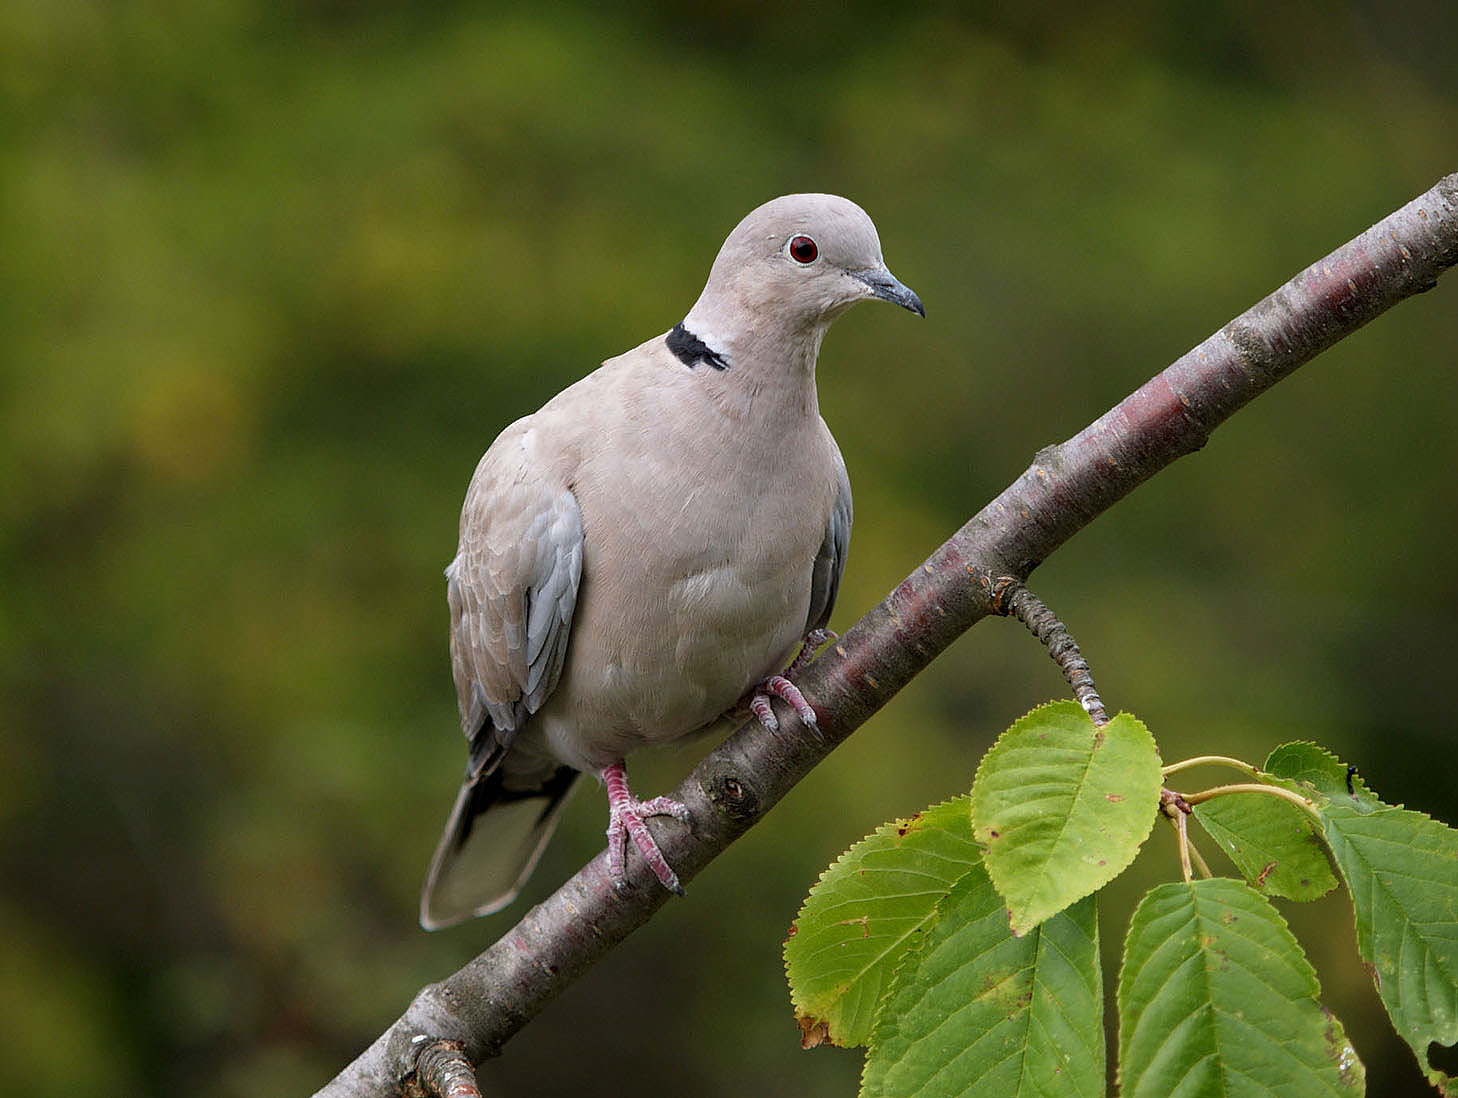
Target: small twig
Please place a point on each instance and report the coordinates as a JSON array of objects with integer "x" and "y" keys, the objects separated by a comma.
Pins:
[
  {"x": 1010, "y": 596},
  {"x": 442, "y": 1071},
  {"x": 1173, "y": 803},
  {"x": 1177, "y": 810}
]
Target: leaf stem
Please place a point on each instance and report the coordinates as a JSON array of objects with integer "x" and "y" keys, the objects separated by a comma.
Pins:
[
  {"x": 1299, "y": 801},
  {"x": 1182, "y": 830},
  {"x": 1212, "y": 760},
  {"x": 1200, "y": 863}
]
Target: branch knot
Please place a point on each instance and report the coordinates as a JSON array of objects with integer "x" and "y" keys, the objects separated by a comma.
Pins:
[
  {"x": 733, "y": 794},
  {"x": 442, "y": 1071}
]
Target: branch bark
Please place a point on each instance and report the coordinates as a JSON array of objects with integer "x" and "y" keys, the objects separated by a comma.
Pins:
[{"x": 1067, "y": 486}]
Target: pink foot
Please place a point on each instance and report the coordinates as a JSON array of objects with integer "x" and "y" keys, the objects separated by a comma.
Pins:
[
  {"x": 625, "y": 818},
  {"x": 813, "y": 642},
  {"x": 781, "y": 687}
]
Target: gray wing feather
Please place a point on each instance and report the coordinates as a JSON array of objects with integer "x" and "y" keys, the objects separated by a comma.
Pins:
[
  {"x": 552, "y": 598},
  {"x": 830, "y": 560},
  {"x": 512, "y": 589}
]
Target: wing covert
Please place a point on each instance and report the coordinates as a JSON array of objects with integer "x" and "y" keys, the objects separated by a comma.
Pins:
[
  {"x": 512, "y": 588},
  {"x": 830, "y": 560}
]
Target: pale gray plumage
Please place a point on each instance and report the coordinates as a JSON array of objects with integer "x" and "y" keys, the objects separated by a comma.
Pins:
[{"x": 655, "y": 541}]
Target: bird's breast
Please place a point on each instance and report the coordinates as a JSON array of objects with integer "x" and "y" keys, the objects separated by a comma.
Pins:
[
  {"x": 672, "y": 629},
  {"x": 700, "y": 534}
]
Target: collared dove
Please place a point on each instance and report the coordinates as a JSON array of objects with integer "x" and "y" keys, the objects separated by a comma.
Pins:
[{"x": 649, "y": 548}]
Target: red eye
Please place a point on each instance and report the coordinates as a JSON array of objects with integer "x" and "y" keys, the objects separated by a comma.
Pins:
[{"x": 803, "y": 249}]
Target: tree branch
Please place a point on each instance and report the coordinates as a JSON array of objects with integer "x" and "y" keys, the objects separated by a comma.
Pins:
[{"x": 1066, "y": 486}]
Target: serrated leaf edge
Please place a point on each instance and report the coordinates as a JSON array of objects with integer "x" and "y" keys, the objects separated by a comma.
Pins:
[
  {"x": 1115, "y": 871},
  {"x": 1303, "y": 964},
  {"x": 805, "y": 1017}
]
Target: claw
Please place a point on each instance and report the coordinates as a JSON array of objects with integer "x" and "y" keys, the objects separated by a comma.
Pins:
[
  {"x": 781, "y": 686},
  {"x": 787, "y": 691},
  {"x": 625, "y": 819}
]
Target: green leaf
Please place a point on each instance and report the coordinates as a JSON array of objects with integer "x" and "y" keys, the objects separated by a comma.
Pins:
[
  {"x": 1216, "y": 998},
  {"x": 1314, "y": 769},
  {"x": 1401, "y": 868},
  {"x": 1276, "y": 846},
  {"x": 863, "y": 914},
  {"x": 973, "y": 1010},
  {"x": 1063, "y": 806}
]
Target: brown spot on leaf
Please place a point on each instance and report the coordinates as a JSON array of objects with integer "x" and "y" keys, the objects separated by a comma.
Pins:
[
  {"x": 908, "y": 825},
  {"x": 813, "y": 1031},
  {"x": 864, "y": 922}
]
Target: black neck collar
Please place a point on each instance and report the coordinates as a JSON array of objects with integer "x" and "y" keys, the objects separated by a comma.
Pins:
[{"x": 691, "y": 350}]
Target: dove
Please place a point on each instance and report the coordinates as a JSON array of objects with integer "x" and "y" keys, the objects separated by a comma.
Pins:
[{"x": 649, "y": 550}]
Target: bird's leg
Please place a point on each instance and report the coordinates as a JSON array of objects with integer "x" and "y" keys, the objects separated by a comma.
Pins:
[
  {"x": 625, "y": 818},
  {"x": 814, "y": 641},
  {"x": 782, "y": 687}
]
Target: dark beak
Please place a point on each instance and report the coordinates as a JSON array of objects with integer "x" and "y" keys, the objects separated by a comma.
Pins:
[{"x": 888, "y": 287}]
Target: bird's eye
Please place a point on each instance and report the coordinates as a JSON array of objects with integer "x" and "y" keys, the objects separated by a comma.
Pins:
[{"x": 803, "y": 250}]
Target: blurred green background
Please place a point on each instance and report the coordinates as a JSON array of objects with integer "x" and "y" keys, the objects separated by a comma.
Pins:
[{"x": 273, "y": 276}]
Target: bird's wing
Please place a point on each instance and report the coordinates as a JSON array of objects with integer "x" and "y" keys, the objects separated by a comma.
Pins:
[
  {"x": 512, "y": 589},
  {"x": 830, "y": 560}
]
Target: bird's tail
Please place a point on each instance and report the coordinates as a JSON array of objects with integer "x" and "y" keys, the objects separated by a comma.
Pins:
[{"x": 490, "y": 846}]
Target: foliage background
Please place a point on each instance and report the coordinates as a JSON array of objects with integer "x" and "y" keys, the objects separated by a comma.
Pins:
[{"x": 273, "y": 276}]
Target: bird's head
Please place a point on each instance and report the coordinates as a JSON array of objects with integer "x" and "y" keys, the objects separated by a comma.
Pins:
[{"x": 796, "y": 262}]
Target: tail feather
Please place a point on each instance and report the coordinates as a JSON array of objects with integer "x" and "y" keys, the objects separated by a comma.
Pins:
[{"x": 490, "y": 846}]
